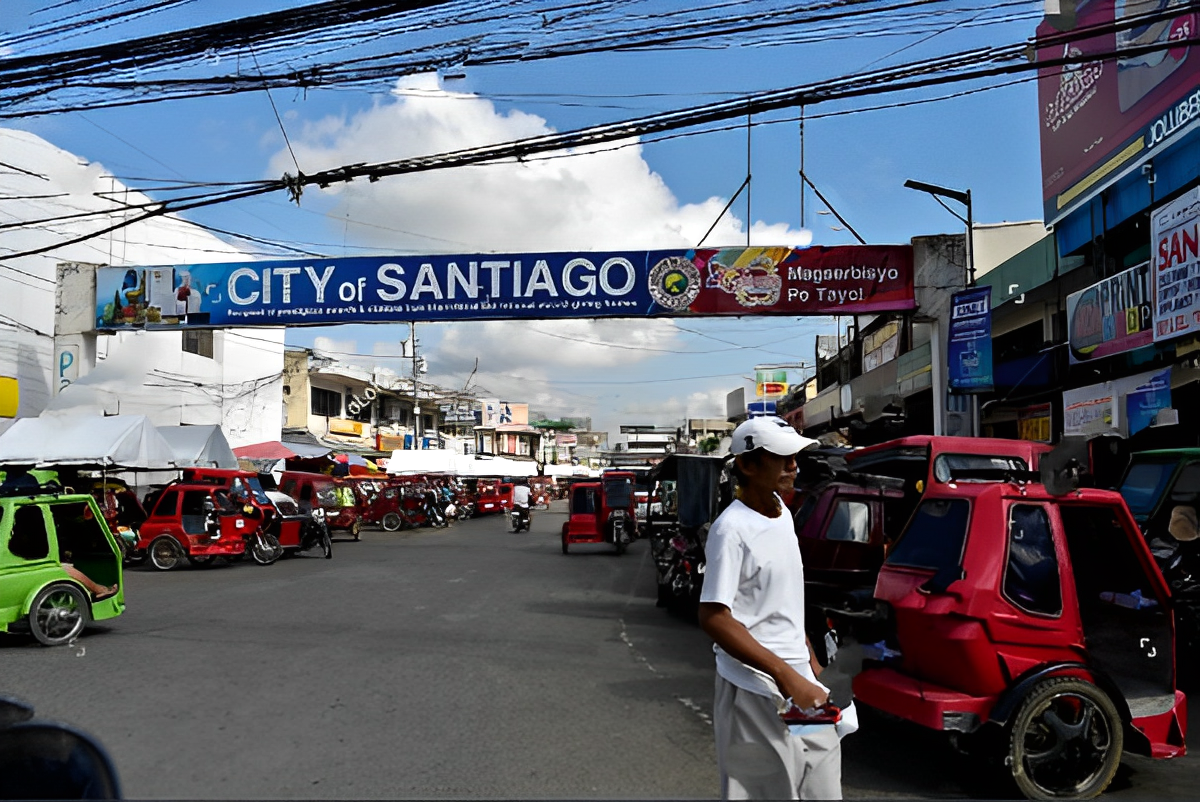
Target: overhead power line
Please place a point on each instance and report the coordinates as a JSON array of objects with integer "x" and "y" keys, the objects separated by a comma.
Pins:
[
  {"x": 314, "y": 44},
  {"x": 977, "y": 64}
]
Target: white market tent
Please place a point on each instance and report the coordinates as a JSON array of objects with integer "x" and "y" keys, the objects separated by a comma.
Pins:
[
  {"x": 199, "y": 446},
  {"x": 93, "y": 441}
]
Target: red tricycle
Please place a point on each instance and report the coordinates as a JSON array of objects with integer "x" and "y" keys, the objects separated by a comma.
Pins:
[
  {"x": 601, "y": 512},
  {"x": 1033, "y": 628},
  {"x": 281, "y": 517},
  {"x": 194, "y": 522},
  {"x": 335, "y": 496},
  {"x": 494, "y": 496}
]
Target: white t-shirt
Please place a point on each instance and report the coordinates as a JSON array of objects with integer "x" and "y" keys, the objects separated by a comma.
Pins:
[
  {"x": 521, "y": 496},
  {"x": 753, "y": 567}
]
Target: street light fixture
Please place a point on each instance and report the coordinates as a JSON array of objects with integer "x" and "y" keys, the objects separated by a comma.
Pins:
[{"x": 965, "y": 199}]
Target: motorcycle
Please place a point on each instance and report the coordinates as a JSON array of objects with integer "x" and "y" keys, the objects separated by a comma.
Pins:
[
  {"x": 316, "y": 533},
  {"x": 680, "y": 570},
  {"x": 263, "y": 546},
  {"x": 519, "y": 518}
]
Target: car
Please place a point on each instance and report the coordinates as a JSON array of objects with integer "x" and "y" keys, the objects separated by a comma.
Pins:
[{"x": 40, "y": 530}]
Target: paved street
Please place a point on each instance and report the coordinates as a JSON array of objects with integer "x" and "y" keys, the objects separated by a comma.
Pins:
[{"x": 467, "y": 663}]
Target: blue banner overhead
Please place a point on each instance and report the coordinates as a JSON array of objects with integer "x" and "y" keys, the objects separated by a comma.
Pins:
[
  {"x": 711, "y": 281},
  {"x": 970, "y": 347}
]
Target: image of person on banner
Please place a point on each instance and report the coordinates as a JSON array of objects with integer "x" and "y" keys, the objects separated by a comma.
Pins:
[{"x": 182, "y": 295}]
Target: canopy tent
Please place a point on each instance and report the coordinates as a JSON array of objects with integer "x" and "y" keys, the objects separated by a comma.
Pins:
[
  {"x": 199, "y": 446},
  {"x": 273, "y": 449},
  {"x": 86, "y": 441}
]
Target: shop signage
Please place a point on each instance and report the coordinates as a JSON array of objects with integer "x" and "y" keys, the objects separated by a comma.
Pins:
[
  {"x": 1111, "y": 316},
  {"x": 565, "y": 440},
  {"x": 1106, "y": 408},
  {"x": 843, "y": 280},
  {"x": 1101, "y": 118},
  {"x": 1088, "y": 410},
  {"x": 1175, "y": 257},
  {"x": 1036, "y": 423},
  {"x": 880, "y": 347},
  {"x": 970, "y": 343},
  {"x": 1144, "y": 402},
  {"x": 770, "y": 383}
]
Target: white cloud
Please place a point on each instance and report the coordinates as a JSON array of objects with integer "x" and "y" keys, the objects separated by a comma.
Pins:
[{"x": 600, "y": 199}]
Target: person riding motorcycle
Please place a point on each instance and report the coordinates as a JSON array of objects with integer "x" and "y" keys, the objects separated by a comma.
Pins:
[{"x": 521, "y": 499}]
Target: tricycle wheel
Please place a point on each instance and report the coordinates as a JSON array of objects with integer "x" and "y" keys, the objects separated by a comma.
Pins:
[
  {"x": 165, "y": 553},
  {"x": 620, "y": 544},
  {"x": 355, "y": 528},
  {"x": 1065, "y": 741},
  {"x": 265, "y": 549},
  {"x": 58, "y": 614},
  {"x": 392, "y": 521},
  {"x": 326, "y": 544},
  {"x": 566, "y": 549}
]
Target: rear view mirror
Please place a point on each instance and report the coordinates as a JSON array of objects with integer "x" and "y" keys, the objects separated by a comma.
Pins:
[{"x": 39, "y": 760}]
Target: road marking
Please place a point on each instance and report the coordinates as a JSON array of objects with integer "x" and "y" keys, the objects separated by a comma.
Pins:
[
  {"x": 695, "y": 708},
  {"x": 633, "y": 649}
]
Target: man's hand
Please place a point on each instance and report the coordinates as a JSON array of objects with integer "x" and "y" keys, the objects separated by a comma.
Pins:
[
  {"x": 728, "y": 633},
  {"x": 803, "y": 693}
]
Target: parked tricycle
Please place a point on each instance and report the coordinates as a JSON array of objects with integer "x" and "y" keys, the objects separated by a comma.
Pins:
[
  {"x": 679, "y": 531},
  {"x": 601, "y": 512},
  {"x": 46, "y": 540},
  {"x": 1035, "y": 629},
  {"x": 494, "y": 496},
  {"x": 198, "y": 523},
  {"x": 335, "y": 496}
]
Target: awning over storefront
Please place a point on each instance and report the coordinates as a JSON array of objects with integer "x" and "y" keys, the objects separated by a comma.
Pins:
[{"x": 273, "y": 449}]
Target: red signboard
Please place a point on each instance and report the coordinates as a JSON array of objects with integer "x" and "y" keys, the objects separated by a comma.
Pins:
[
  {"x": 844, "y": 280},
  {"x": 1099, "y": 119}
]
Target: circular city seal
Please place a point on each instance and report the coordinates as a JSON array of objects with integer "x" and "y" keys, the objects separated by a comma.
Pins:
[{"x": 674, "y": 283}]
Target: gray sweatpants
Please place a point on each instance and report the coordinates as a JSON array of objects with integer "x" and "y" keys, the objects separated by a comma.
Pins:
[{"x": 759, "y": 759}]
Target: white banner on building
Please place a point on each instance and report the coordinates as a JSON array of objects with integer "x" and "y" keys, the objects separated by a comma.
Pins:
[
  {"x": 1175, "y": 253},
  {"x": 1098, "y": 408}
]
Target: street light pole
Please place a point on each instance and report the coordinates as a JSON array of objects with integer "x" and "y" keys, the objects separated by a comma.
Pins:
[{"x": 965, "y": 199}]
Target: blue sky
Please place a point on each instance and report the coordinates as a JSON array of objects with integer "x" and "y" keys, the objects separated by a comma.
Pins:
[{"x": 632, "y": 371}]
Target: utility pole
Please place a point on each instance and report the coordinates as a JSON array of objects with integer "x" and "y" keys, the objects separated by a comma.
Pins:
[{"x": 412, "y": 338}]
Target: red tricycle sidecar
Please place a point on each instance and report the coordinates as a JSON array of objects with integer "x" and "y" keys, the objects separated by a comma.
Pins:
[{"x": 1035, "y": 620}]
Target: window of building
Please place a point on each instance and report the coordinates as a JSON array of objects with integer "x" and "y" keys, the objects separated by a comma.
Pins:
[
  {"x": 198, "y": 342},
  {"x": 326, "y": 403},
  {"x": 523, "y": 446},
  {"x": 428, "y": 425}
]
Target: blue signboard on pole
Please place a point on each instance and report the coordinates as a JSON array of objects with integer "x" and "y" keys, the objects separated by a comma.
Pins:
[{"x": 970, "y": 347}]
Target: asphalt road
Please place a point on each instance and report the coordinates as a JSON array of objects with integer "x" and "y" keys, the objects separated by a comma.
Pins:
[{"x": 462, "y": 663}]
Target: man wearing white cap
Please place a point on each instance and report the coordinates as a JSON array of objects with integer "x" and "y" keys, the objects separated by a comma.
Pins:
[{"x": 752, "y": 606}]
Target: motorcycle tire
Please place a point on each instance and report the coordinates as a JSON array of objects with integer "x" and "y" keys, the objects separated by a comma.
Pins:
[
  {"x": 327, "y": 545},
  {"x": 265, "y": 549}
]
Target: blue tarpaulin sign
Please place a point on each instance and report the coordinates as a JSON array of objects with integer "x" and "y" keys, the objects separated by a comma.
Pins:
[
  {"x": 1143, "y": 403},
  {"x": 844, "y": 280},
  {"x": 970, "y": 347}
]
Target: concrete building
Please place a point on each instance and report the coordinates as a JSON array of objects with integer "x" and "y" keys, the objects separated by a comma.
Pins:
[{"x": 50, "y": 355}]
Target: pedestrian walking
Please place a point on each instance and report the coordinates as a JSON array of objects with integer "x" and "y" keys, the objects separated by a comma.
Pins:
[{"x": 752, "y": 606}]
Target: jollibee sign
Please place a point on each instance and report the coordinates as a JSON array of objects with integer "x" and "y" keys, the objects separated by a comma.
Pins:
[{"x": 841, "y": 280}]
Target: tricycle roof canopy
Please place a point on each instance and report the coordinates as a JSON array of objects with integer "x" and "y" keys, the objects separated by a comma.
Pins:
[{"x": 842, "y": 280}]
